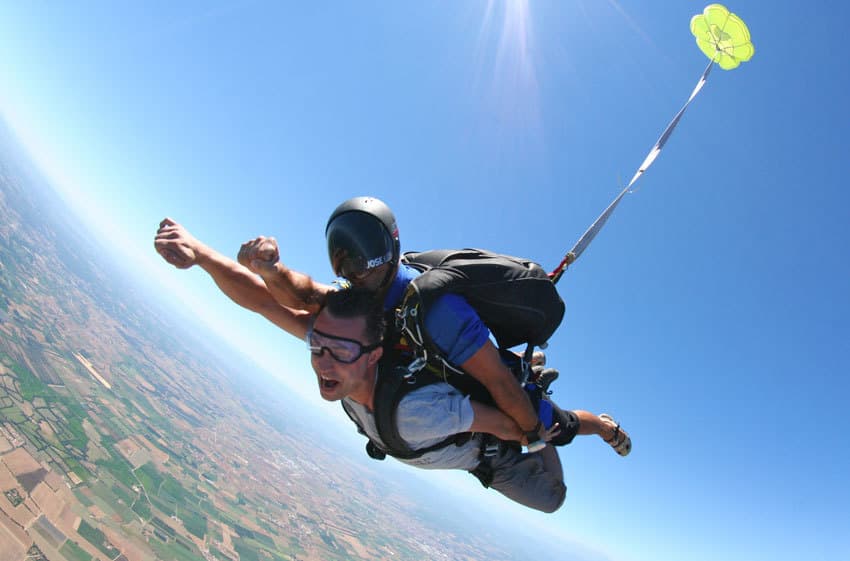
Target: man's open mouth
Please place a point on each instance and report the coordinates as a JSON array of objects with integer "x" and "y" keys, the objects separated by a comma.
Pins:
[{"x": 328, "y": 384}]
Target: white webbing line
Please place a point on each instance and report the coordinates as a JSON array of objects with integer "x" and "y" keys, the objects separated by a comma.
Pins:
[{"x": 591, "y": 232}]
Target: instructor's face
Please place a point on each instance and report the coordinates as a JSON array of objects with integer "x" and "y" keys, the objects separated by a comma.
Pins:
[
  {"x": 370, "y": 279},
  {"x": 341, "y": 358}
]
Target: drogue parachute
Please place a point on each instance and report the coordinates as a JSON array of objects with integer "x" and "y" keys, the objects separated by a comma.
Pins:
[
  {"x": 725, "y": 40},
  {"x": 722, "y": 36}
]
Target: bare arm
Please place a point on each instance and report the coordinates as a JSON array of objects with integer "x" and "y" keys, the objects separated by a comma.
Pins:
[
  {"x": 178, "y": 247},
  {"x": 289, "y": 288},
  {"x": 492, "y": 421},
  {"x": 487, "y": 367}
]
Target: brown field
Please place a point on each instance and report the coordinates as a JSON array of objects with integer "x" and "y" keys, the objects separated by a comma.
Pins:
[
  {"x": 46, "y": 430},
  {"x": 19, "y": 461},
  {"x": 15, "y": 533},
  {"x": 144, "y": 385},
  {"x": 47, "y": 501},
  {"x": 355, "y": 544},
  {"x": 55, "y": 481},
  {"x": 7, "y": 480},
  {"x": 22, "y": 515},
  {"x": 68, "y": 520},
  {"x": 158, "y": 455},
  {"x": 133, "y": 452},
  {"x": 12, "y": 549},
  {"x": 226, "y": 533},
  {"x": 248, "y": 522},
  {"x": 186, "y": 409},
  {"x": 96, "y": 512}
]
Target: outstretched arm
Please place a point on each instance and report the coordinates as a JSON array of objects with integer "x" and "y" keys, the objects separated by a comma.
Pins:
[
  {"x": 178, "y": 247},
  {"x": 290, "y": 288}
]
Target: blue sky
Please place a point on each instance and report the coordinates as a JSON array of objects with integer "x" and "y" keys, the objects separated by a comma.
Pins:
[{"x": 710, "y": 316}]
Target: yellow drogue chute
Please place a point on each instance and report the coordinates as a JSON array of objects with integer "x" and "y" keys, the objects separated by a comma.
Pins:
[{"x": 722, "y": 36}]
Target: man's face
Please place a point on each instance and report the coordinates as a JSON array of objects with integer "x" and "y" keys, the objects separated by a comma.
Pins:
[{"x": 335, "y": 339}]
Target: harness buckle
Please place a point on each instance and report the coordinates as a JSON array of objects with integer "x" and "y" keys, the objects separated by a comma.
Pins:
[
  {"x": 491, "y": 449},
  {"x": 413, "y": 368}
]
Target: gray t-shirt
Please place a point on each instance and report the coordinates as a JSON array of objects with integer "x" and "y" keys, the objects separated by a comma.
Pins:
[{"x": 425, "y": 417}]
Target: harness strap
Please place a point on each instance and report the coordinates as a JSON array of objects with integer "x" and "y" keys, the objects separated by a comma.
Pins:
[
  {"x": 491, "y": 447},
  {"x": 409, "y": 320}
]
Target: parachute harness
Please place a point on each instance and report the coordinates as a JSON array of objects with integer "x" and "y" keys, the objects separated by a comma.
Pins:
[{"x": 408, "y": 321}]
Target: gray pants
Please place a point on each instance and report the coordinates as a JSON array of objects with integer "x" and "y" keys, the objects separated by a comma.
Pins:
[{"x": 533, "y": 480}]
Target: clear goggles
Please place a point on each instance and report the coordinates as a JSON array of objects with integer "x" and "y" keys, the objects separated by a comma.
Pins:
[{"x": 341, "y": 349}]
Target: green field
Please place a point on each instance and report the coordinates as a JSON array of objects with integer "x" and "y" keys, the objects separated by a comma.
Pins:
[
  {"x": 12, "y": 415},
  {"x": 265, "y": 540},
  {"x": 172, "y": 490},
  {"x": 163, "y": 527},
  {"x": 177, "y": 550},
  {"x": 70, "y": 432},
  {"x": 28, "y": 383},
  {"x": 193, "y": 522},
  {"x": 116, "y": 465},
  {"x": 86, "y": 502},
  {"x": 142, "y": 508},
  {"x": 119, "y": 469},
  {"x": 72, "y": 552},
  {"x": 127, "y": 496},
  {"x": 97, "y": 539},
  {"x": 246, "y": 551},
  {"x": 167, "y": 508},
  {"x": 150, "y": 478},
  {"x": 79, "y": 470}
]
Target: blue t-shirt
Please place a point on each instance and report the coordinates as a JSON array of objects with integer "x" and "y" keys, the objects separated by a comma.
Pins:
[{"x": 452, "y": 323}]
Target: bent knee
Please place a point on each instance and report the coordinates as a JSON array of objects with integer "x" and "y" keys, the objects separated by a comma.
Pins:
[
  {"x": 569, "y": 423},
  {"x": 556, "y": 499}
]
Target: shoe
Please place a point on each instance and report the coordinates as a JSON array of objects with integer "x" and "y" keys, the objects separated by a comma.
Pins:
[
  {"x": 620, "y": 441},
  {"x": 543, "y": 377}
]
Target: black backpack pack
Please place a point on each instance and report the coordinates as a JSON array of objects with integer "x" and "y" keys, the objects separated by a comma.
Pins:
[{"x": 514, "y": 297}]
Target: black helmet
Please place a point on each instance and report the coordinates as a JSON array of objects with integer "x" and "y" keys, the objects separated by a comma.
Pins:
[{"x": 361, "y": 234}]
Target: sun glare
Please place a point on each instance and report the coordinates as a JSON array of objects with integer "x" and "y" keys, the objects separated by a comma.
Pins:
[{"x": 507, "y": 78}]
